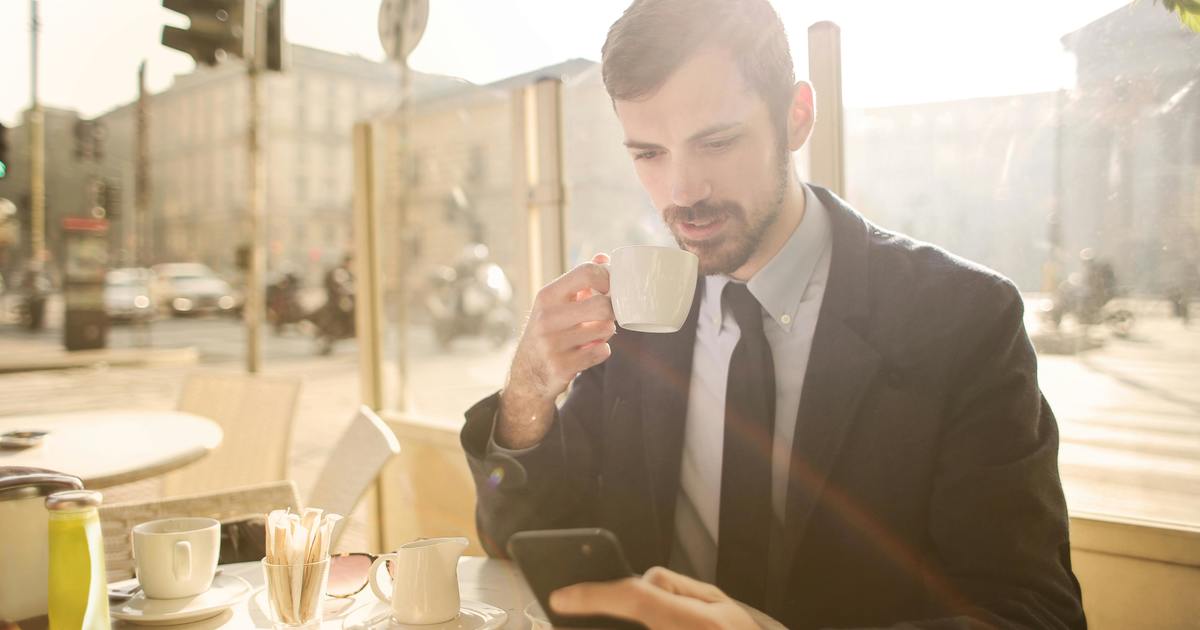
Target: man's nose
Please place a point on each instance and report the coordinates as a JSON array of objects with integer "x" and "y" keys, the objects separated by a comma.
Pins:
[{"x": 689, "y": 185}]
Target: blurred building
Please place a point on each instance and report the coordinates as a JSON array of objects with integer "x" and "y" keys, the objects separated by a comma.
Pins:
[
  {"x": 975, "y": 176},
  {"x": 1129, "y": 176},
  {"x": 198, "y": 168},
  {"x": 70, "y": 183},
  {"x": 1024, "y": 183}
]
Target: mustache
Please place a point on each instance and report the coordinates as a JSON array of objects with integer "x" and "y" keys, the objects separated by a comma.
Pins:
[{"x": 702, "y": 211}]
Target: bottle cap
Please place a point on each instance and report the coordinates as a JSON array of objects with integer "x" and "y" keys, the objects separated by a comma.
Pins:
[{"x": 73, "y": 500}]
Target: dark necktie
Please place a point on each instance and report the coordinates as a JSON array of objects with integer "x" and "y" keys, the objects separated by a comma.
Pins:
[{"x": 745, "y": 517}]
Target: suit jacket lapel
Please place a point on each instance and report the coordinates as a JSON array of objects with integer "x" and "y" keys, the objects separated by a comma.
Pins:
[
  {"x": 665, "y": 372},
  {"x": 841, "y": 367}
]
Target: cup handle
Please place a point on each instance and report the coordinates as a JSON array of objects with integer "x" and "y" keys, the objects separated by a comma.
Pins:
[
  {"x": 373, "y": 577},
  {"x": 182, "y": 561}
]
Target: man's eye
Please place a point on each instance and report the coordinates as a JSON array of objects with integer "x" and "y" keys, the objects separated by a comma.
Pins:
[
  {"x": 717, "y": 145},
  {"x": 645, "y": 155}
]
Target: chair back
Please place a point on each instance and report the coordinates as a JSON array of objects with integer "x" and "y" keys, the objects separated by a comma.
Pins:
[
  {"x": 256, "y": 415},
  {"x": 427, "y": 491},
  {"x": 117, "y": 520},
  {"x": 353, "y": 465}
]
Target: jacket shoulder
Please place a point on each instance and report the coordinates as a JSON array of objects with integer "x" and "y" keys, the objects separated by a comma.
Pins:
[{"x": 924, "y": 293}]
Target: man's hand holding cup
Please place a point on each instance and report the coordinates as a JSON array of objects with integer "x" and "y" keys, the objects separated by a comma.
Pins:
[{"x": 567, "y": 332}]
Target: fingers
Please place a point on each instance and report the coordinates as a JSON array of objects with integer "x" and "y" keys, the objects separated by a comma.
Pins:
[
  {"x": 586, "y": 334},
  {"x": 558, "y": 317},
  {"x": 673, "y": 582},
  {"x": 587, "y": 276},
  {"x": 566, "y": 365},
  {"x": 630, "y": 598}
]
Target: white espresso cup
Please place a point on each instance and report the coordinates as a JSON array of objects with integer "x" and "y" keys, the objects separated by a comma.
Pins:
[
  {"x": 176, "y": 557},
  {"x": 652, "y": 287}
]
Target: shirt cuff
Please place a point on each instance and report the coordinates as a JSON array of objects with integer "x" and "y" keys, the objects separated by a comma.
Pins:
[{"x": 495, "y": 449}]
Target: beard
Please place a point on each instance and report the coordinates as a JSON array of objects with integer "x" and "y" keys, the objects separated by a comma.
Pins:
[{"x": 743, "y": 232}]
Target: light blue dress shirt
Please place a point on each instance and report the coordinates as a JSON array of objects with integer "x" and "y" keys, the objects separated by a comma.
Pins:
[{"x": 790, "y": 289}]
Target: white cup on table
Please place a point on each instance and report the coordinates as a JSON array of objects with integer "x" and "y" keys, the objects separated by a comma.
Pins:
[{"x": 176, "y": 557}]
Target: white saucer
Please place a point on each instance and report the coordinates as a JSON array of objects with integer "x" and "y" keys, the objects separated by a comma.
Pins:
[
  {"x": 472, "y": 615},
  {"x": 537, "y": 618},
  {"x": 226, "y": 591},
  {"x": 331, "y": 607}
]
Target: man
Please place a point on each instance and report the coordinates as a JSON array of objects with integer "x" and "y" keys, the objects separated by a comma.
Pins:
[{"x": 848, "y": 429}]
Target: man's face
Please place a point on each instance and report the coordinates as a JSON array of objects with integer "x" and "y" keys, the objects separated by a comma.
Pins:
[{"x": 705, "y": 148}]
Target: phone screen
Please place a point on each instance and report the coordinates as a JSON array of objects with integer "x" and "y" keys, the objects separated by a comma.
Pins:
[{"x": 553, "y": 558}]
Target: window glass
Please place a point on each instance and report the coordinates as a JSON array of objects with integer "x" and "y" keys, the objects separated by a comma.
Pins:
[
  {"x": 449, "y": 258},
  {"x": 1068, "y": 159}
]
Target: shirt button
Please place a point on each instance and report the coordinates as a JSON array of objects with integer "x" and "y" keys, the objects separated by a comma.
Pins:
[{"x": 786, "y": 319}]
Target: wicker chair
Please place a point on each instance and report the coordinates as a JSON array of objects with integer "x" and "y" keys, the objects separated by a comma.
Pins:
[
  {"x": 256, "y": 415},
  {"x": 117, "y": 521},
  {"x": 353, "y": 465}
]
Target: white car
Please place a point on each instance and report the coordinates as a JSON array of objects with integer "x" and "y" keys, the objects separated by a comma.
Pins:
[
  {"x": 127, "y": 294},
  {"x": 192, "y": 288}
]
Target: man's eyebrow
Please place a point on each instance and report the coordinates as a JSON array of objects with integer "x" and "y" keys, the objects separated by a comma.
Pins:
[
  {"x": 641, "y": 146},
  {"x": 707, "y": 131},
  {"x": 713, "y": 130}
]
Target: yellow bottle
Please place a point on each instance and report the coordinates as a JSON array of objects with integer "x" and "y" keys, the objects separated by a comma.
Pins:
[{"x": 78, "y": 588}]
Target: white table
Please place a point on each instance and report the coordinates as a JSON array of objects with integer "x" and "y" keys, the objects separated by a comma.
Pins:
[
  {"x": 111, "y": 447},
  {"x": 496, "y": 582}
]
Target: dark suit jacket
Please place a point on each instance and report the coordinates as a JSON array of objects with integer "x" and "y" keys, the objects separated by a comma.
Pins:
[{"x": 924, "y": 485}]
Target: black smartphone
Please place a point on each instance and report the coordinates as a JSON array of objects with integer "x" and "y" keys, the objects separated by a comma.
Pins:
[{"x": 553, "y": 558}]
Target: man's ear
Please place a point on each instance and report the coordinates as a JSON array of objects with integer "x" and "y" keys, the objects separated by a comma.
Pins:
[{"x": 801, "y": 115}]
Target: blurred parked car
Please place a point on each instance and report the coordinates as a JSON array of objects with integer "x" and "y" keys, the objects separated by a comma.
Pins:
[
  {"x": 127, "y": 294},
  {"x": 192, "y": 288}
]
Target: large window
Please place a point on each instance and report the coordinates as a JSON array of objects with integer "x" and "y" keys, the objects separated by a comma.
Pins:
[
  {"x": 447, "y": 253},
  {"x": 1058, "y": 144},
  {"x": 1068, "y": 159}
]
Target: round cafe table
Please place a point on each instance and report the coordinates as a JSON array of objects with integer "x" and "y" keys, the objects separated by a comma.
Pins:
[
  {"x": 111, "y": 447},
  {"x": 488, "y": 580}
]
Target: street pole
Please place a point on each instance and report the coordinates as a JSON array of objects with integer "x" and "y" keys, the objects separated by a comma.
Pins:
[
  {"x": 139, "y": 254},
  {"x": 252, "y": 310},
  {"x": 37, "y": 158},
  {"x": 402, "y": 282}
]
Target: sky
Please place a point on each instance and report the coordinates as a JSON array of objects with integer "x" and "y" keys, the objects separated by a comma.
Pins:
[{"x": 893, "y": 52}]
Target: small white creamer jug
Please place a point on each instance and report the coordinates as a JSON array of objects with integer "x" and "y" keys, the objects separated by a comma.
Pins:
[{"x": 425, "y": 584}]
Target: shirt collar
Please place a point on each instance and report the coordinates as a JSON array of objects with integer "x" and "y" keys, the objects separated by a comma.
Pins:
[{"x": 780, "y": 285}]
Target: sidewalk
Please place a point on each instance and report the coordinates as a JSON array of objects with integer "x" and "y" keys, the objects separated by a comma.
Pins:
[{"x": 25, "y": 351}]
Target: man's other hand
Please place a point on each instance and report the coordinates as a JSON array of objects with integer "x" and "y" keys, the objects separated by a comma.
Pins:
[
  {"x": 661, "y": 600},
  {"x": 567, "y": 332}
]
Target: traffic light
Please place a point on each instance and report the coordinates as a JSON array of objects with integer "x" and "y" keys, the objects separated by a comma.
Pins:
[
  {"x": 218, "y": 28},
  {"x": 275, "y": 53},
  {"x": 3, "y": 151}
]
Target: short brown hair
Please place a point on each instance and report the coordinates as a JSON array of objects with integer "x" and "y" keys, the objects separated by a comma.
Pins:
[{"x": 654, "y": 37}]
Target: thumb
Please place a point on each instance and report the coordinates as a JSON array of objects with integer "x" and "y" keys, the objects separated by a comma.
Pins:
[{"x": 601, "y": 259}]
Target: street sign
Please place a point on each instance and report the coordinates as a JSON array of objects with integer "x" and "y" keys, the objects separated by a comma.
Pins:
[{"x": 401, "y": 25}]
